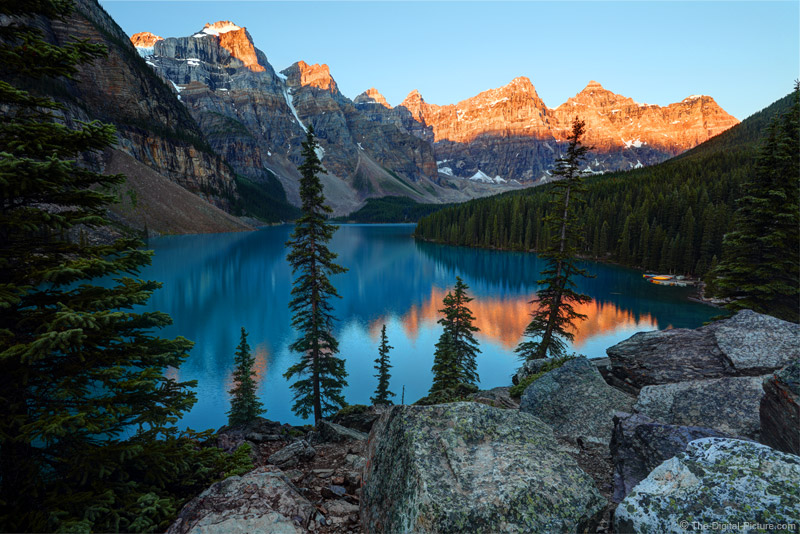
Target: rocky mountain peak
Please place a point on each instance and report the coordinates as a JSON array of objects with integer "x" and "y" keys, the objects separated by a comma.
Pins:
[
  {"x": 221, "y": 26},
  {"x": 592, "y": 86},
  {"x": 372, "y": 96},
  {"x": 235, "y": 40},
  {"x": 521, "y": 83},
  {"x": 316, "y": 76},
  {"x": 416, "y": 105},
  {"x": 145, "y": 39}
]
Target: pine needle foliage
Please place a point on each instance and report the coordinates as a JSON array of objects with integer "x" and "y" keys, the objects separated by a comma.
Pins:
[
  {"x": 454, "y": 359},
  {"x": 87, "y": 436},
  {"x": 382, "y": 365},
  {"x": 321, "y": 374},
  {"x": 245, "y": 406},
  {"x": 554, "y": 313},
  {"x": 760, "y": 266}
]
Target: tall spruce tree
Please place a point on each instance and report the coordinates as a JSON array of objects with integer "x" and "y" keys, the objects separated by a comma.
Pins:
[
  {"x": 382, "y": 365},
  {"x": 454, "y": 360},
  {"x": 245, "y": 405},
  {"x": 760, "y": 266},
  {"x": 445, "y": 363},
  {"x": 87, "y": 437},
  {"x": 321, "y": 373},
  {"x": 554, "y": 313}
]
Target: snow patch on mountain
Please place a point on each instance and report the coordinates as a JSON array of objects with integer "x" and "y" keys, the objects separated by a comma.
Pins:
[
  {"x": 636, "y": 143},
  {"x": 294, "y": 111}
]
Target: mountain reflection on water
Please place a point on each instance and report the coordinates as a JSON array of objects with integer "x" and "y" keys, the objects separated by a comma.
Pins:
[{"x": 215, "y": 284}]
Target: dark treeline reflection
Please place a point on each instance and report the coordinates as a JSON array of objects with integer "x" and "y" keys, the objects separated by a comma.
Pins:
[{"x": 215, "y": 284}]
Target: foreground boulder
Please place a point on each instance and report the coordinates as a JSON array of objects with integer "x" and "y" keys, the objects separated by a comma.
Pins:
[
  {"x": 747, "y": 344},
  {"x": 292, "y": 454},
  {"x": 576, "y": 401},
  {"x": 717, "y": 480},
  {"x": 780, "y": 411},
  {"x": 468, "y": 467},
  {"x": 497, "y": 397},
  {"x": 263, "y": 500},
  {"x": 728, "y": 405},
  {"x": 640, "y": 444}
]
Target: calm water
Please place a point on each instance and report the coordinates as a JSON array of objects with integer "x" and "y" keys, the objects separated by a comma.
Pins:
[{"x": 215, "y": 284}]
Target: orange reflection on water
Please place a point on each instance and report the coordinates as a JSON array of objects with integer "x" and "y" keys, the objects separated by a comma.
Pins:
[
  {"x": 504, "y": 319},
  {"x": 171, "y": 373},
  {"x": 260, "y": 367}
]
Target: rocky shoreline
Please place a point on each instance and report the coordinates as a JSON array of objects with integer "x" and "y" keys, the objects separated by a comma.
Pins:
[{"x": 679, "y": 427}]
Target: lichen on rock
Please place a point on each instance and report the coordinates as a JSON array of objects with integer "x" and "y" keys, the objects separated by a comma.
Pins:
[
  {"x": 469, "y": 467},
  {"x": 716, "y": 481}
]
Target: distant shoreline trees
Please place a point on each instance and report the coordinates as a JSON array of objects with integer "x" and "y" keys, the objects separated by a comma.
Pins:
[
  {"x": 667, "y": 218},
  {"x": 321, "y": 374},
  {"x": 245, "y": 406},
  {"x": 760, "y": 265},
  {"x": 554, "y": 314}
]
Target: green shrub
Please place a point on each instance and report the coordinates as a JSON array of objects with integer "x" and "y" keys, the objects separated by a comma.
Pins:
[
  {"x": 555, "y": 363},
  {"x": 351, "y": 410},
  {"x": 460, "y": 393}
]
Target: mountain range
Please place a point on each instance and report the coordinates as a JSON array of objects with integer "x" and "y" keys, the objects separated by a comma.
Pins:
[
  {"x": 209, "y": 112},
  {"x": 501, "y": 136}
]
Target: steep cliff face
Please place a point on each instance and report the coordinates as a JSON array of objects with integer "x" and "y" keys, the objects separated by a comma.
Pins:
[
  {"x": 257, "y": 119},
  {"x": 614, "y": 121},
  {"x": 511, "y": 133},
  {"x": 376, "y": 157},
  {"x": 237, "y": 99},
  {"x": 152, "y": 125},
  {"x": 510, "y": 111},
  {"x": 372, "y": 96}
]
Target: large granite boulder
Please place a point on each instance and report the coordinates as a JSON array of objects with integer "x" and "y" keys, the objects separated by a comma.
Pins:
[
  {"x": 747, "y": 344},
  {"x": 717, "y": 481},
  {"x": 498, "y": 397},
  {"x": 263, "y": 500},
  {"x": 640, "y": 444},
  {"x": 780, "y": 409},
  {"x": 469, "y": 467},
  {"x": 728, "y": 405},
  {"x": 576, "y": 401}
]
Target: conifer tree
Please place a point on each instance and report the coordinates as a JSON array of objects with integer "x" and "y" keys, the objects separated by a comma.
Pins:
[
  {"x": 322, "y": 375},
  {"x": 760, "y": 266},
  {"x": 87, "y": 436},
  {"x": 456, "y": 350},
  {"x": 245, "y": 405},
  {"x": 554, "y": 313},
  {"x": 382, "y": 365},
  {"x": 445, "y": 363}
]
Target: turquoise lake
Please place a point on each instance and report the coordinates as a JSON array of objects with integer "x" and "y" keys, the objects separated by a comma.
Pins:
[{"x": 215, "y": 284}]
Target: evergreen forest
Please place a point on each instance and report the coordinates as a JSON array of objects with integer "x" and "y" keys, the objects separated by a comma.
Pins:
[{"x": 669, "y": 217}]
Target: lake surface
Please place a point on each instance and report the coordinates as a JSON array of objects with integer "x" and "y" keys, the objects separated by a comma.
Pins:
[{"x": 215, "y": 284}]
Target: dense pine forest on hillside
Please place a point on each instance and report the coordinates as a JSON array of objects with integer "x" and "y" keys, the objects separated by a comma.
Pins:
[
  {"x": 392, "y": 210},
  {"x": 670, "y": 217}
]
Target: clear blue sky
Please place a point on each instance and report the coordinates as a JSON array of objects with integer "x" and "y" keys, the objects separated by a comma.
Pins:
[{"x": 744, "y": 54}]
